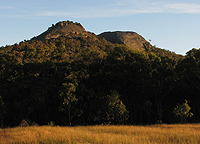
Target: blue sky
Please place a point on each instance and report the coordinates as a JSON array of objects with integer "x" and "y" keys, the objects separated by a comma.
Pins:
[{"x": 170, "y": 24}]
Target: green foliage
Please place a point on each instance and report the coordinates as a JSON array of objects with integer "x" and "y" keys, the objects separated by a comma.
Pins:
[
  {"x": 163, "y": 53},
  {"x": 70, "y": 80},
  {"x": 51, "y": 123},
  {"x": 2, "y": 111},
  {"x": 24, "y": 123},
  {"x": 116, "y": 112},
  {"x": 68, "y": 99},
  {"x": 1, "y": 105},
  {"x": 112, "y": 111},
  {"x": 67, "y": 94},
  {"x": 182, "y": 111}
]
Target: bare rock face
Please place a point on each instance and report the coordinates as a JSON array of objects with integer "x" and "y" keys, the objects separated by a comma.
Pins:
[
  {"x": 63, "y": 28},
  {"x": 131, "y": 39}
]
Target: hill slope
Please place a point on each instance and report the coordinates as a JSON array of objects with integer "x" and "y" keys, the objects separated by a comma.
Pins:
[{"x": 137, "y": 42}]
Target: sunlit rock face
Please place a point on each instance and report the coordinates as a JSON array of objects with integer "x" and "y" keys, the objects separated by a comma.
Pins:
[
  {"x": 63, "y": 28},
  {"x": 131, "y": 39}
]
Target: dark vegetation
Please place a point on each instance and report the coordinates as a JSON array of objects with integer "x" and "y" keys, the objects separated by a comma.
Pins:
[{"x": 88, "y": 80}]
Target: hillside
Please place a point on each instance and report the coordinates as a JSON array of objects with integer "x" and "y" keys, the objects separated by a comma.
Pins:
[{"x": 137, "y": 42}]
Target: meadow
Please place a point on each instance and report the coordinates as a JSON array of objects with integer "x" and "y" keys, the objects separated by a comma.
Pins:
[{"x": 152, "y": 134}]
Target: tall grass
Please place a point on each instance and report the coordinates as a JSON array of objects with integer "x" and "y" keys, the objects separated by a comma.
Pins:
[{"x": 155, "y": 134}]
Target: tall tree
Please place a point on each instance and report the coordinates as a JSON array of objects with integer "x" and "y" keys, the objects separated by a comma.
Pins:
[
  {"x": 161, "y": 81},
  {"x": 68, "y": 99},
  {"x": 2, "y": 112}
]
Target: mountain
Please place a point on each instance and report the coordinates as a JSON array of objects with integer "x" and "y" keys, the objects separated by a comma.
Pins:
[
  {"x": 71, "y": 30},
  {"x": 63, "y": 28},
  {"x": 69, "y": 70},
  {"x": 131, "y": 39}
]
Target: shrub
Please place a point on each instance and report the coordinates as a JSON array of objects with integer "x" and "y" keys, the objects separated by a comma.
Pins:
[
  {"x": 24, "y": 123},
  {"x": 51, "y": 123},
  {"x": 182, "y": 112}
]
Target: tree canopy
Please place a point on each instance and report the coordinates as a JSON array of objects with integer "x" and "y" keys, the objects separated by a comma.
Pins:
[{"x": 88, "y": 80}]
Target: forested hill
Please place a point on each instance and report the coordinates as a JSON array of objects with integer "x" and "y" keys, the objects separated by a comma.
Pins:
[
  {"x": 80, "y": 78},
  {"x": 137, "y": 42},
  {"x": 69, "y": 29}
]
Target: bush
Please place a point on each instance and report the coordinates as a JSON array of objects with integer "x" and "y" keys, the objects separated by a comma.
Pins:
[
  {"x": 51, "y": 123},
  {"x": 24, "y": 123},
  {"x": 182, "y": 112}
]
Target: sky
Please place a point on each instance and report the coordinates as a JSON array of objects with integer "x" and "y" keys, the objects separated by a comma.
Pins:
[{"x": 170, "y": 24}]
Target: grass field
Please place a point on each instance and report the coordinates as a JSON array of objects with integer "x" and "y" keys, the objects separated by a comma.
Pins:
[{"x": 154, "y": 134}]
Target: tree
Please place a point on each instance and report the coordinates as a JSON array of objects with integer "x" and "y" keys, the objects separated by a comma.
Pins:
[
  {"x": 161, "y": 81},
  {"x": 67, "y": 94},
  {"x": 182, "y": 111},
  {"x": 188, "y": 71},
  {"x": 112, "y": 110},
  {"x": 117, "y": 112},
  {"x": 2, "y": 111}
]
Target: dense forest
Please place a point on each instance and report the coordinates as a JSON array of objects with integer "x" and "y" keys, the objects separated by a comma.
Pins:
[{"x": 88, "y": 80}]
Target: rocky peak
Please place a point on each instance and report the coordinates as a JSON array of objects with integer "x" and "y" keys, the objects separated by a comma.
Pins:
[
  {"x": 131, "y": 39},
  {"x": 64, "y": 24},
  {"x": 63, "y": 28}
]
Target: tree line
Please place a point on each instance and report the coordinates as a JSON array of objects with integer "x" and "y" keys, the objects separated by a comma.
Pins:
[{"x": 88, "y": 80}]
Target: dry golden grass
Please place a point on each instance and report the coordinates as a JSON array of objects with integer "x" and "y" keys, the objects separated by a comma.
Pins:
[{"x": 155, "y": 134}]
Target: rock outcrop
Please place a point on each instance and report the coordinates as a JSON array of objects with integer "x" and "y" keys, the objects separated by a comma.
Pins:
[
  {"x": 131, "y": 39},
  {"x": 63, "y": 28}
]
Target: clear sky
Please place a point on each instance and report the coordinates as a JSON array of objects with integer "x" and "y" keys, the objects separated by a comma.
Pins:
[{"x": 170, "y": 24}]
